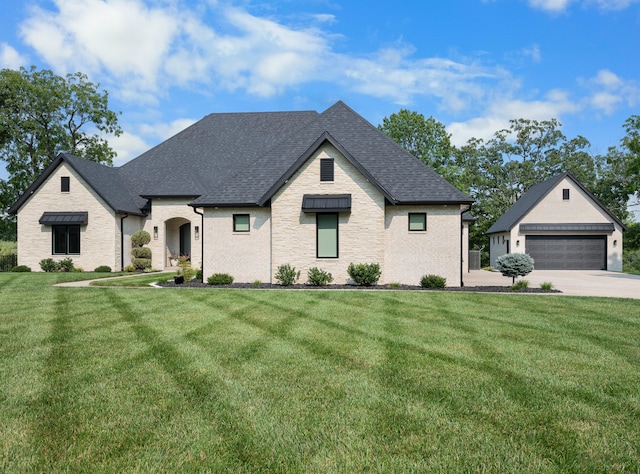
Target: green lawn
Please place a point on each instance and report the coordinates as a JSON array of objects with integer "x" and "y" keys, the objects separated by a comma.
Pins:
[{"x": 178, "y": 380}]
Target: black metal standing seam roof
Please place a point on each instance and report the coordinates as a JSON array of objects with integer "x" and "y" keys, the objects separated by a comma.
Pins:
[
  {"x": 326, "y": 203},
  {"x": 533, "y": 196},
  {"x": 567, "y": 227},
  {"x": 62, "y": 218}
]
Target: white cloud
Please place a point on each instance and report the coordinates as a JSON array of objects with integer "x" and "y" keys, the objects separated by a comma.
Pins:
[
  {"x": 607, "y": 92},
  {"x": 10, "y": 58},
  {"x": 557, "y": 6},
  {"x": 127, "y": 146}
]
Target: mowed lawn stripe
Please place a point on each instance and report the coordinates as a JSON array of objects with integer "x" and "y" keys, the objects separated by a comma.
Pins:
[{"x": 147, "y": 380}]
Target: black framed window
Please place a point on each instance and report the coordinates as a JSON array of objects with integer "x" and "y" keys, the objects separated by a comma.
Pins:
[
  {"x": 327, "y": 235},
  {"x": 64, "y": 184},
  {"x": 326, "y": 169},
  {"x": 417, "y": 221},
  {"x": 241, "y": 223},
  {"x": 66, "y": 239},
  {"x": 565, "y": 194}
]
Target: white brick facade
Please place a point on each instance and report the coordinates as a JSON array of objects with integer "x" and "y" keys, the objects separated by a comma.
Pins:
[{"x": 99, "y": 239}]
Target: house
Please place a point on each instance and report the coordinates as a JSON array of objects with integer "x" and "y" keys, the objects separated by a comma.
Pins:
[
  {"x": 243, "y": 193},
  {"x": 562, "y": 226}
]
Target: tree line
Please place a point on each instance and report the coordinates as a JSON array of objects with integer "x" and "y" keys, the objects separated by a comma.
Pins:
[
  {"x": 497, "y": 171},
  {"x": 43, "y": 114}
]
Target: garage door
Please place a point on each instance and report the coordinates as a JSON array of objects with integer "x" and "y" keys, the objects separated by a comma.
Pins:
[{"x": 568, "y": 252}]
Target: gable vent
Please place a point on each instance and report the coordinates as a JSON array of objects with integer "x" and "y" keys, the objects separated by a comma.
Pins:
[{"x": 326, "y": 169}]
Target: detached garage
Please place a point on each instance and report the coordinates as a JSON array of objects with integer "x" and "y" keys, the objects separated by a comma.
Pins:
[{"x": 562, "y": 226}]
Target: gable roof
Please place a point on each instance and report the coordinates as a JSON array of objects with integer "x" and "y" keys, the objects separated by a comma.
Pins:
[
  {"x": 398, "y": 175},
  {"x": 104, "y": 180},
  {"x": 533, "y": 196}
]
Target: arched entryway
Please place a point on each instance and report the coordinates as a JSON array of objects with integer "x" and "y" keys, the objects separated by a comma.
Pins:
[{"x": 178, "y": 239}]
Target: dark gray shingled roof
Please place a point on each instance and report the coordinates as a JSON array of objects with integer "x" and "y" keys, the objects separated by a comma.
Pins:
[
  {"x": 399, "y": 176},
  {"x": 244, "y": 158},
  {"x": 532, "y": 197},
  {"x": 104, "y": 180}
]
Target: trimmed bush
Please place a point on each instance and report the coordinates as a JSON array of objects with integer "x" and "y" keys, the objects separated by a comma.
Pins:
[
  {"x": 49, "y": 265},
  {"x": 287, "y": 275},
  {"x": 433, "y": 281},
  {"x": 140, "y": 238},
  {"x": 220, "y": 279},
  {"x": 129, "y": 269},
  {"x": 199, "y": 274},
  {"x": 364, "y": 274},
  {"x": 141, "y": 263},
  {"x": 514, "y": 265},
  {"x": 141, "y": 252},
  {"x": 103, "y": 269},
  {"x": 66, "y": 265},
  {"x": 20, "y": 269},
  {"x": 319, "y": 277}
]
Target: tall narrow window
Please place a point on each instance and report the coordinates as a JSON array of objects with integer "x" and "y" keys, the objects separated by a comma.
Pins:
[
  {"x": 241, "y": 223},
  {"x": 66, "y": 239},
  {"x": 326, "y": 169},
  {"x": 327, "y": 235},
  {"x": 565, "y": 194},
  {"x": 64, "y": 184},
  {"x": 417, "y": 221}
]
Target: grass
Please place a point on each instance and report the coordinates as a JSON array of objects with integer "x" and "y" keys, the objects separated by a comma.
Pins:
[{"x": 147, "y": 380}]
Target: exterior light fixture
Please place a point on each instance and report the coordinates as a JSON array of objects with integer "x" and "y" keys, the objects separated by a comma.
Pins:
[
  {"x": 155, "y": 232},
  {"x": 197, "y": 232}
]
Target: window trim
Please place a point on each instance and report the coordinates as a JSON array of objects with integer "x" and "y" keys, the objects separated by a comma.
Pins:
[
  {"x": 327, "y": 170},
  {"x": 337, "y": 228},
  {"x": 67, "y": 251},
  {"x": 65, "y": 184},
  {"x": 424, "y": 223},
  {"x": 235, "y": 223},
  {"x": 566, "y": 196}
]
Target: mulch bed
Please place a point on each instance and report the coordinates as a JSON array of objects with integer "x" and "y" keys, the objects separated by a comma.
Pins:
[{"x": 268, "y": 286}]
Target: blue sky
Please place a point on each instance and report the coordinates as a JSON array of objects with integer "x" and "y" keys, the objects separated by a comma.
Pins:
[{"x": 471, "y": 64}]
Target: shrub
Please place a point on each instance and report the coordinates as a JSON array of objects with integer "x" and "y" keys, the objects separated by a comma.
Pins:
[
  {"x": 220, "y": 279},
  {"x": 395, "y": 284},
  {"x": 140, "y": 238},
  {"x": 20, "y": 269},
  {"x": 514, "y": 265},
  {"x": 364, "y": 274},
  {"x": 66, "y": 265},
  {"x": 631, "y": 261},
  {"x": 141, "y": 252},
  {"x": 287, "y": 275},
  {"x": 433, "y": 281},
  {"x": 129, "y": 269},
  {"x": 103, "y": 269},
  {"x": 521, "y": 285},
  {"x": 49, "y": 265},
  {"x": 546, "y": 285},
  {"x": 7, "y": 248},
  {"x": 199, "y": 274},
  {"x": 319, "y": 277},
  {"x": 257, "y": 283},
  {"x": 185, "y": 268},
  {"x": 141, "y": 263}
]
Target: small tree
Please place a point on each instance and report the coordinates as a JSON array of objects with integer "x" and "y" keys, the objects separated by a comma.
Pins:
[{"x": 514, "y": 265}]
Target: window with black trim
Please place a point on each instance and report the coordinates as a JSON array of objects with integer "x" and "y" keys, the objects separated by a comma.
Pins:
[
  {"x": 327, "y": 235},
  {"x": 326, "y": 169},
  {"x": 64, "y": 184},
  {"x": 241, "y": 223},
  {"x": 417, "y": 221},
  {"x": 66, "y": 239},
  {"x": 565, "y": 194}
]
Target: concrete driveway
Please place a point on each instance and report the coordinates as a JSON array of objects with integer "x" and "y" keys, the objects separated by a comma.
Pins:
[{"x": 570, "y": 282}]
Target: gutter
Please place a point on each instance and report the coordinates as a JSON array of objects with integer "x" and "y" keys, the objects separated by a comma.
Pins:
[
  {"x": 122, "y": 240},
  {"x": 201, "y": 239}
]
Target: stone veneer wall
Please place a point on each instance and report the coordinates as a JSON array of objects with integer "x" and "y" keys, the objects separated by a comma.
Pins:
[
  {"x": 244, "y": 255},
  {"x": 409, "y": 255},
  {"x": 360, "y": 232},
  {"x": 99, "y": 239}
]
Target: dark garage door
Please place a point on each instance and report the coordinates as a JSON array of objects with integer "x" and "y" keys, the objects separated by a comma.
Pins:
[{"x": 568, "y": 252}]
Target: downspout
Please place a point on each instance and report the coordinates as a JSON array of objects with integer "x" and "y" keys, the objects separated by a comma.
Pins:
[
  {"x": 201, "y": 239},
  {"x": 462, "y": 247},
  {"x": 122, "y": 240}
]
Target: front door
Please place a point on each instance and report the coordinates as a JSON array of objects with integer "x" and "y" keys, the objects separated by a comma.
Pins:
[{"x": 185, "y": 239}]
